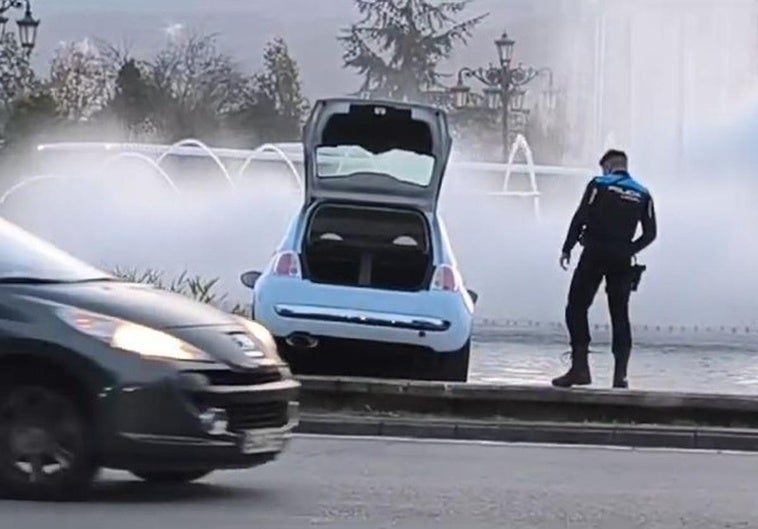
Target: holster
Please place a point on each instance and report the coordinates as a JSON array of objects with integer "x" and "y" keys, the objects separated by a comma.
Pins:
[{"x": 636, "y": 275}]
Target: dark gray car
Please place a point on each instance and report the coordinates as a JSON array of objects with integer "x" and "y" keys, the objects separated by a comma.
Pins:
[{"x": 95, "y": 372}]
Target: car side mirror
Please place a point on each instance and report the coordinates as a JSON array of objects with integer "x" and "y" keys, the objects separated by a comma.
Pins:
[
  {"x": 474, "y": 296},
  {"x": 249, "y": 279}
]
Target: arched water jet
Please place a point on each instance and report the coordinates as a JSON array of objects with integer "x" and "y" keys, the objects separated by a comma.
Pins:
[
  {"x": 18, "y": 186},
  {"x": 520, "y": 144},
  {"x": 145, "y": 159},
  {"x": 271, "y": 147},
  {"x": 192, "y": 142}
]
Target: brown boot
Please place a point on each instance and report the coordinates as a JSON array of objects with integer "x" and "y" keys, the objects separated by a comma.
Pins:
[{"x": 578, "y": 374}]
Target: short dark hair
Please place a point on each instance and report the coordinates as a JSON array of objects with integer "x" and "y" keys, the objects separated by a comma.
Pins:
[{"x": 613, "y": 153}]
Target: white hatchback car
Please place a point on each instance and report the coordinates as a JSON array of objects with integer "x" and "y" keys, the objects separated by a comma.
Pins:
[{"x": 365, "y": 283}]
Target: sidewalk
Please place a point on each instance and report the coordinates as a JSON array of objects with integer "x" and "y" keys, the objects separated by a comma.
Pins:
[{"x": 663, "y": 360}]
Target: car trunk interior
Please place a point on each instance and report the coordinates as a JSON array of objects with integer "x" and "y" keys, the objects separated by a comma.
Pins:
[{"x": 382, "y": 248}]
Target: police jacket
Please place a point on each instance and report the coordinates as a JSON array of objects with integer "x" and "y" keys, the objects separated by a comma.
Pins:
[{"x": 607, "y": 218}]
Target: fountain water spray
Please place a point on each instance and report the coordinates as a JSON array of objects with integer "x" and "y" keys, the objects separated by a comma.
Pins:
[
  {"x": 145, "y": 159},
  {"x": 192, "y": 142},
  {"x": 520, "y": 144},
  {"x": 23, "y": 184},
  {"x": 276, "y": 149}
]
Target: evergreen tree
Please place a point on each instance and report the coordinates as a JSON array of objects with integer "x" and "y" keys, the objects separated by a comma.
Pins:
[
  {"x": 132, "y": 103},
  {"x": 278, "y": 85},
  {"x": 397, "y": 44},
  {"x": 275, "y": 106}
]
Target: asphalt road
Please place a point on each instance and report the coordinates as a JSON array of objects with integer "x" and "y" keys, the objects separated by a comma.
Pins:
[{"x": 324, "y": 482}]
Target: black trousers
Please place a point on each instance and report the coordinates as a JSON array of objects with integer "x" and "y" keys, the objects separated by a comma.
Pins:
[{"x": 593, "y": 267}]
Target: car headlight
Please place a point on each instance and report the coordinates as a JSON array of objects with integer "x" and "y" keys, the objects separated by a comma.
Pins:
[
  {"x": 262, "y": 336},
  {"x": 132, "y": 337}
]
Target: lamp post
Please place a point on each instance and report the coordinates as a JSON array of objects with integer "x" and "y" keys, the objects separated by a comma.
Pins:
[
  {"x": 27, "y": 25},
  {"x": 504, "y": 90}
]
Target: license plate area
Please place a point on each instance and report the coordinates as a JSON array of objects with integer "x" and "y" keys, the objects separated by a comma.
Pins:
[{"x": 262, "y": 442}]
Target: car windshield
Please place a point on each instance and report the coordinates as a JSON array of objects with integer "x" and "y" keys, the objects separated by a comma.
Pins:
[
  {"x": 348, "y": 160},
  {"x": 25, "y": 257}
]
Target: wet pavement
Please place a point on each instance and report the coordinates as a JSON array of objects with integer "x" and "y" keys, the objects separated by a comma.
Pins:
[{"x": 665, "y": 359}]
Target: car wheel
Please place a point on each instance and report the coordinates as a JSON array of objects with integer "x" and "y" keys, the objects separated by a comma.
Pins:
[
  {"x": 453, "y": 367},
  {"x": 46, "y": 444},
  {"x": 186, "y": 476}
]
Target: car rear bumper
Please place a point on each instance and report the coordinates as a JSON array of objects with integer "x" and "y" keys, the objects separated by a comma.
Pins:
[
  {"x": 368, "y": 318},
  {"x": 439, "y": 321},
  {"x": 177, "y": 423}
]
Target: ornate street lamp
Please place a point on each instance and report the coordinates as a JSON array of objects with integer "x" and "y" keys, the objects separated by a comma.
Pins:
[
  {"x": 504, "y": 88},
  {"x": 492, "y": 97},
  {"x": 460, "y": 93},
  {"x": 27, "y": 29},
  {"x": 27, "y": 26},
  {"x": 518, "y": 100},
  {"x": 505, "y": 46}
]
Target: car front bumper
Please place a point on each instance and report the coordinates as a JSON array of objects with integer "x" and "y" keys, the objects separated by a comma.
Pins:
[{"x": 176, "y": 423}]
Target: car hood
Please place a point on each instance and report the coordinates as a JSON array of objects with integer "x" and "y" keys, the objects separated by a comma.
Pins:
[{"x": 137, "y": 303}]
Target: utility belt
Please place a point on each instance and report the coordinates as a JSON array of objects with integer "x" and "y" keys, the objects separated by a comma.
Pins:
[{"x": 611, "y": 248}]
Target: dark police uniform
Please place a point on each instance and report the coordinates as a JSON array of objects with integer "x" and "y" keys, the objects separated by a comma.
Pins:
[{"x": 605, "y": 224}]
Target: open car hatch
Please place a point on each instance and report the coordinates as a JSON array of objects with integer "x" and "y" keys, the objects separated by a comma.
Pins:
[{"x": 376, "y": 151}]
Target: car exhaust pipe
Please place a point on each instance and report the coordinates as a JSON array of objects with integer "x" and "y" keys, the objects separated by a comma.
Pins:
[{"x": 301, "y": 340}]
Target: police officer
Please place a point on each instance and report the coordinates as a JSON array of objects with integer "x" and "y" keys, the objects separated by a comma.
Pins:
[{"x": 605, "y": 224}]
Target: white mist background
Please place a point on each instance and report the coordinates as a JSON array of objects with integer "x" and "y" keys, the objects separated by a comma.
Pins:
[{"x": 700, "y": 270}]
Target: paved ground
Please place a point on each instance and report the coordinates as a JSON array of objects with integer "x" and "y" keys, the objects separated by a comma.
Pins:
[
  {"x": 377, "y": 484},
  {"x": 666, "y": 359}
]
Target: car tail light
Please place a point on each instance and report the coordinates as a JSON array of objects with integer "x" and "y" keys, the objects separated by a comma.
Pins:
[
  {"x": 287, "y": 264},
  {"x": 446, "y": 278}
]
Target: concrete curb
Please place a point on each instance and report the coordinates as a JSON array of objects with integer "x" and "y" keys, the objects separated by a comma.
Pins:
[
  {"x": 635, "y": 436},
  {"x": 525, "y": 403}
]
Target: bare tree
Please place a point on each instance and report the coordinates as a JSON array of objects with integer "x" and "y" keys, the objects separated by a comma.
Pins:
[
  {"x": 82, "y": 79},
  {"x": 197, "y": 75},
  {"x": 16, "y": 75}
]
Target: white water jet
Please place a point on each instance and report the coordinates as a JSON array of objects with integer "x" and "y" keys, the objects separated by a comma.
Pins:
[
  {"x": 192, "y": 142},
  {"x": 520, "y": 144},
  {"x": 276, "y": 149},
  {"x": 26, "y": 182},
  {"x": 142, "y": 158}
]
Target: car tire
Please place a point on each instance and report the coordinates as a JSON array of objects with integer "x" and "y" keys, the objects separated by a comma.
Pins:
[
  {"x": 47, "y": 452},
  {"x": 176, "y": 477},
  {"x": 453, "y": 367}
]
